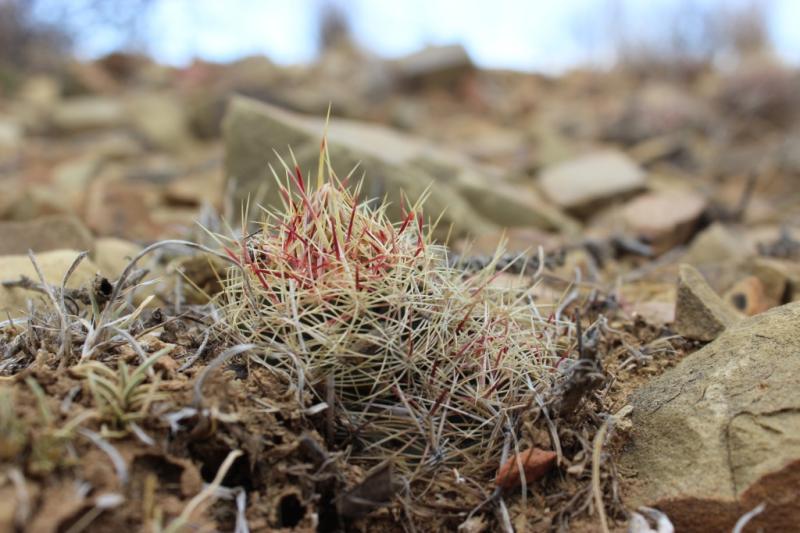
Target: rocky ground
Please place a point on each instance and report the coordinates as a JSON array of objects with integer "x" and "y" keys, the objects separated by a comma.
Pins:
[{"x": 653, "y": 221}]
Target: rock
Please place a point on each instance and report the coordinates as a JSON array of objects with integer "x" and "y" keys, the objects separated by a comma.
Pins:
[
  {"x": 664, "y": 219},
  {"x": 10, "y": 144},
  {"x": 54, "y": 264},
  {"x": 160, "y": 118},
  {"x": 86, "y": 113},
  {"x": 72, "y": 177},
  {"x": 580, "y": 184},
  {"x": 82, "y": 77},
  {"x": 763, "y": 88},
  {"x": 780, "y": 278},
  {"x": 515, "y": 206},
  {"x": 112, "y": 255},
  {"x": 748, "y": 296},
  {"x": 391, "y": 162},
  {"x": 44, "y": 234},
  {"x": 719, "y": 433},
  {"x": 40, "y": 91},
  {"x": 516, "y": 241},
  {"x": 13, "y": 198},
  {"x": 123, "y": 208},
  {"x": 653, "y": 301},
  {"x": 700, "y": 314},
  {"x": 10, "y": 136},
  {"x": 434, "y": 65},
  {"x": 657, "y": 109},
  {"x": 716, "y": 244},
  {"x": 719, "y": 255}
]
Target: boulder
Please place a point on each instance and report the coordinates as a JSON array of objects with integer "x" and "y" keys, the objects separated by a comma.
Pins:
[
  {"x": 700, "y": 314},
  {"x": 719, "y": 433},
  {"x": 392, "y": 164},
  {"x": 580, "y": 184},
  {"x": 54, "y": 264},
  {"x": 44, "y": 234}
]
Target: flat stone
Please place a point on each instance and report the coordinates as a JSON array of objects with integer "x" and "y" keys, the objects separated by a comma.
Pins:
[
  {"x": 54, "y": 264},
  {"x": 700, "y": 314},
  {"x": 664, "y": 218},
  {"x": 581, "y": 183},
  {"x": 719, "y": 433},
  {"x": 44, "y": 234}
]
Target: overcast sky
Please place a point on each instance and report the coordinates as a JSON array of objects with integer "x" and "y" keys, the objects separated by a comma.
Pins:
[{"x": 547, "y": 35}]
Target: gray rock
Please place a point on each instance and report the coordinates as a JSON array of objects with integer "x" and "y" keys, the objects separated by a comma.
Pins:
[
  {"x": 44, "y": 234},
  {"x": 700, "y": 313},
  {"x": 584, "y": 182},
  {"x": 720, "y": 433},
  {"x": 389, "y": 161}
]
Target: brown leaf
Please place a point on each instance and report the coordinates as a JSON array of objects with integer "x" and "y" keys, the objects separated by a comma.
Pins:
[{"x": 535, "y": 464}]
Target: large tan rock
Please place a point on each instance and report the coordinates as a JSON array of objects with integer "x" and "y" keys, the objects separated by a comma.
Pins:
[
  {"x": 586, "y": 181},
  {"x": 54, "y": 265},
  {"x": 720, "y": 433},
  {"x": 470, "y": 198},
  {"x": 700, "y": 314}
]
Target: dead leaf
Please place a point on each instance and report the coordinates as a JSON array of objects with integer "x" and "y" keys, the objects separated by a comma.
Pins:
[{"x": 535, "y": 464}]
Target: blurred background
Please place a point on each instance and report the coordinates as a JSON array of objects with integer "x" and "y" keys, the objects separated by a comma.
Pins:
[{"x": 547, "y": 120}]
